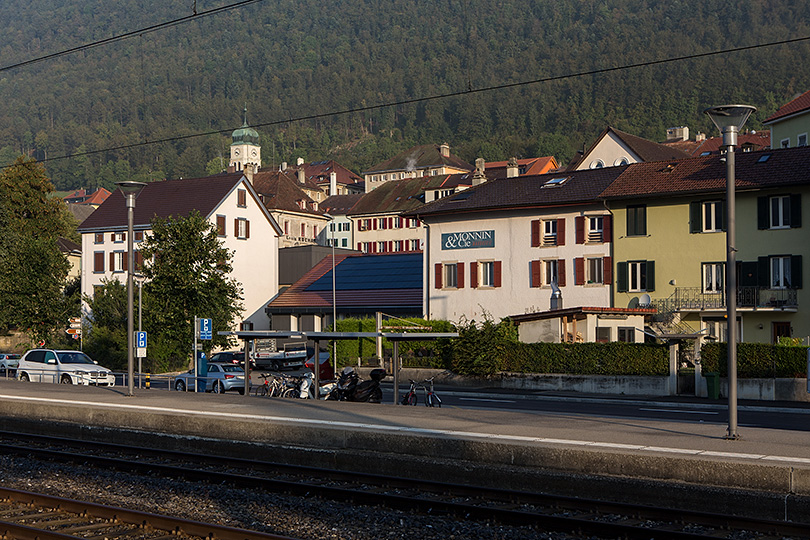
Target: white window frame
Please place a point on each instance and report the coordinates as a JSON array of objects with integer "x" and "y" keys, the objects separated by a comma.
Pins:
[
  {"x": 785, "y": 143},
  {"x": 118, "y": 261},
  {"x": 595, "y": 228},
  {"x": 711, "y": 216},
  {"x": 801, "y": 139},
  {"x": 241, "y": 228},
  {"x": 549, "y": 233},
  {"x": 486, "y": 274},
  {"x": 713, "y": 277},
  {"x": 550, "y": 275},
  {"x": 779, "y": 212},
  {"x": 637, "y": 276},
  {"x": 595, "y": 271},
  {"x": 780, "y": 277},
  {"x": 397, "y": 246},
  {"x": 450, "y": 275},
  {"x": 118, "y": 237},
  {"x": 627, "y": 332}
]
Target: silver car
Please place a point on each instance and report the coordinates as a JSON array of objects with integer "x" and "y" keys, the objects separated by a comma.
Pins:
[
  {"x": 66, "y": 367},
  {"x": 9, "y": 363},
  {"x": 221, "y": 377}
]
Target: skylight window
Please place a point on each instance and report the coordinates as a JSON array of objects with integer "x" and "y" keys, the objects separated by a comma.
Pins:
[
  {"x": 764, "y": 157},
  {"x": 703, "y": 154},
  {"x": 556, "y": 182}
]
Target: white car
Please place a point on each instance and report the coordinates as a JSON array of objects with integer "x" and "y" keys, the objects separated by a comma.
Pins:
[{"x": 66, "y": 367}]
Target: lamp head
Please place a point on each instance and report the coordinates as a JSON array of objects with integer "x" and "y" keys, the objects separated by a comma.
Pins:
[
  {"x": 130, "y": 189},
  {"x": 730, "y": 119}
]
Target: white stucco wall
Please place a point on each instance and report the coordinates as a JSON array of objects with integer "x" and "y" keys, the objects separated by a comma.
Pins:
[{"x": 610, "y": 151}]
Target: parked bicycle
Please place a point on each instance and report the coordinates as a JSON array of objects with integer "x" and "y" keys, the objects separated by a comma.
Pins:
[
  {"x": 410, "y": 397},
  {"x": 271, "y": 387},
  {"x": 431, "y": 398}
]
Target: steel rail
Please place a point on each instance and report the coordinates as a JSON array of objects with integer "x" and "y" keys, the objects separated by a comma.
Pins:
[{"x": 596, "y": 517}]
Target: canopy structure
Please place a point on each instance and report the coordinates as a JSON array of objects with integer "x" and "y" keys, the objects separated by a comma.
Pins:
[{"x": 394, "y": 337}]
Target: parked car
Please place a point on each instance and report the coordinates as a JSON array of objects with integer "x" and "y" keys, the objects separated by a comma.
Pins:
[
  {"x": 230, "y": 357},
  {"x": 219, "y": 379},
  {"x": 327, "y": 372},
  {"x": 66, "y": 367},
  {"x": 9, "y": 362}
]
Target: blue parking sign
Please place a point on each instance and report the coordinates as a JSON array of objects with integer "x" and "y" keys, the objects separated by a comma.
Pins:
[
  {"x": 140, "y": 340},
  {"x": 206, "y": 329}
]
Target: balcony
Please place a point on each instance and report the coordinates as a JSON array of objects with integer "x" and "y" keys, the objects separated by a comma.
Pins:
[{"x": 748, "y": 299}]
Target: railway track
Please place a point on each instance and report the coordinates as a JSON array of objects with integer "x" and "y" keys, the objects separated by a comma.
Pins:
[
  {"x": 545, "y": 512},
  {"x": 33, "y": 516}
]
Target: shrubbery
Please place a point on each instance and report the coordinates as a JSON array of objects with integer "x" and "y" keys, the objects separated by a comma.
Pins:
[{"x": 756, "y": 360}]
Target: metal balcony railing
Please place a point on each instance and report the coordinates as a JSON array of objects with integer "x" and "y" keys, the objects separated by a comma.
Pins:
[{"x": 695, "y": 299}]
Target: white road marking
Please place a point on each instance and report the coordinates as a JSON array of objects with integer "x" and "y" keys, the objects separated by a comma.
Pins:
[
  {"x": 679, "y": 411},
  {"x": 487, "y": 399}
]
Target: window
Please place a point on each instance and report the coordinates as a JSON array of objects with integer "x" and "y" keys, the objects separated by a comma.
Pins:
[
  {"x": 303, "y": 230},
  {"x": 780, "y": 273},
  {"x": 99, "y": 238},
  {"x": 242, "y": 228},
  {"x": 548, "y": 232},
  {"x": 487, "y": 277},
  {"x": 637, "y": 220},
  {"x": 544, "y": 273},
  {"x": 597, "y": 164},
  {"x": 594, "y": 269},
  {"x": 603, "y": 334},
  {"x": 241, "y": 198},
  {"x": 449, "y": 275},
  {"x": 345, "y": 242},
  {"x": 780, "y": 212},
  {"x": 397, "y": 245},
  {"x": 713, "y": 277},
  {"x": 381, "y": 247},
  {"x": 382, "y": 223},
  {"x": 314, "y": 231},
  {"x": 635, "y": 276},
  {"x": 712, "y": 216},
  {"x": 627, "y": 334},
  {"x": 287, "y": 227},
  {"x": 785, "y": 143},
  {"x": 550, "y": 273},
  {"x": 801, "y": 140},
  {"x": 98, "y": 262},
  {"x": 331, "y": 227},
  {"x": 485, "y": 274},
  {"x": 139, "y": 236},
  {"x": 595, "y": 228},
  {"x": 118, "y": 261},
  {"x": 119, "y": 237},
  {"x": 220, "y": 225}
]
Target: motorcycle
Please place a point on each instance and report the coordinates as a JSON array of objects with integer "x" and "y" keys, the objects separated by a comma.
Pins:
[{"x": 349, "y": 387}]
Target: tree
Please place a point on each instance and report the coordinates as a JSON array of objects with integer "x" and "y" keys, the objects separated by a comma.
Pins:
[
  {"x": 32, "y": 278},
  {"x": 106, "y": 336},
  {"x": 187, "y": 274}
]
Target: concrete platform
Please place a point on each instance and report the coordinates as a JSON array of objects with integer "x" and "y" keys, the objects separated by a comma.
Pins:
[{"x": 521, "y": 450}]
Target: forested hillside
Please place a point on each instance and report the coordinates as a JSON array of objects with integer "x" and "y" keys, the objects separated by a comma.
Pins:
[{"x": 289, "y": 59}]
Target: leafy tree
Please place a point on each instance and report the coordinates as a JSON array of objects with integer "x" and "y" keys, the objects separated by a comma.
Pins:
[
  {"x": 106, "y": 337},
  {"x": 187, "y": 274},
  {"x": 32, "y": 278}
]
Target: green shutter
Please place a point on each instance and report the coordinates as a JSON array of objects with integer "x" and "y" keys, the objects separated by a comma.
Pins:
[
  {"x": 621, "y": 277},
  {"x": 796, "y": 271},
  {"x": 650, "y": 276},
  {"x": 762, "y": 213},
  {"x": 764, "y": 271},
  {"x": 795, "y": 211},
  {"x": 694, "y": 217}
]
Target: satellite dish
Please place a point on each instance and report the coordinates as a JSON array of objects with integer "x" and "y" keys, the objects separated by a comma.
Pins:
[{"x": 644, "y": 301}]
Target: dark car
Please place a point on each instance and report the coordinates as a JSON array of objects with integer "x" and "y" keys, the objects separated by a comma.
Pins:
[
  {"x": 326, "y": 372},
  {"x": 230, "y": 357}
]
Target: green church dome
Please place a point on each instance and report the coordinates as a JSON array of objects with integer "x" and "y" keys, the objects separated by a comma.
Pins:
[{"x": 245, "y": 134}]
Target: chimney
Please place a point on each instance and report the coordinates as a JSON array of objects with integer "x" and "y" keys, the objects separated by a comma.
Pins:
[
  {"x": 511, "y": 168},
  {"x": 677, "y": 134},
  {"x": 332, "y": 183},
  {"x": 301, "y": 178},
  {"x": 283, "y": 166},
  {"x": 478, "y": 176},
  {"x": 300, "y": 161},
  {"x": 250, "y": 168},
  {"x": 700, "y": 137},
  {"x": 445, "y": 150}
]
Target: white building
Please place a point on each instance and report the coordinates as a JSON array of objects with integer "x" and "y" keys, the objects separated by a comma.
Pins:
[{"x": 227, "y": 201}]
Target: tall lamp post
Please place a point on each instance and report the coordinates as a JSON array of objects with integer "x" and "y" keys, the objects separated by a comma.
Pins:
[
  {"x": 332, "y": 241},
  {"x": 130, "y": 190},
  {"x": 730, "y": 119}
]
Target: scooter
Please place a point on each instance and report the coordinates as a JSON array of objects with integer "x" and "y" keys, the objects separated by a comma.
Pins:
[
  {"x": 346, "y": 385},
  {"x": 350, "y": 388}
]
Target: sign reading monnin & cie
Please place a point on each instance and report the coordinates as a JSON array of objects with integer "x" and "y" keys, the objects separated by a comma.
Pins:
[{"x": 468, "y": 240}]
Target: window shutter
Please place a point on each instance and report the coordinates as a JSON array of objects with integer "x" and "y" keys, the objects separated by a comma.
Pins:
[
  {"x": 748, "y": 274},
  {"x": 763, "y": 271},
  {"x": 607, "y": 228},
  {"x": 112, "y": 237},
  {"x": 390, "y": 245},
  {"x": 236, "y": 228},
  {"x": 125, "y": 265},
  {"x": 537, "y": 274},
  {"x": 98, "y": 262},
  {"x": 650, "y": 276},
  {"x": 795, "y": 211},
  {"x": 247, "y": 229},
  {"x": 796, "y": 271},
  {"x": 221, "y": 225},
  {"x": 621, "y": 277},
  {"x": 535, "y": 232},
  {"x": 762, "y": 213},
  {"x": 374, "y": 224},
  {"x": 579, "y": 271},
  {"x": 438, "y": 273},
  {"x": 474, "y": 275},
  {"x": 561, "y": 272},
  {"x": 724, "y": 216},
  {"x": 579, "y": 229},
  {"x": 607, "y": 270},
  {"x": 694, "y": 217},
  {"x": 138, "y": 261},
  {"x": 460, "y": 272},
  {"x": 561, "y": 232},
  {"x": 498, "y": 272},
  {"x": 359, "y": 246},
  {"x": 112, "y": 262}
]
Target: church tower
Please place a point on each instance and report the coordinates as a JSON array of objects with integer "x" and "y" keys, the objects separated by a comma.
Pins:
[{"x": 245, "y": 149}]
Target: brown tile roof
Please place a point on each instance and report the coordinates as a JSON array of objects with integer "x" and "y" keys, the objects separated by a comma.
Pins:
[
  {"x": 319, "y": 172},
  {"x": 163, "y": 199},
  {"x": 798, "y": 104},
  {"x": 646, "y": 150},
  {"x": 280, "y": 191},
  {"x": 760, "y": 140},
  {"x": 340, "y": 204},
  {"x": 538, "y": 165},
  {"x": 362, "y": 281},
  {"x": 99, "y": 196},
  {"x": 708, "y": 174},
  {"x": 68, "y": 246},
  {"x": 395, "y": 196},
  {"x": 420, "y": 157},
  {"x": 575, "y": 187}
]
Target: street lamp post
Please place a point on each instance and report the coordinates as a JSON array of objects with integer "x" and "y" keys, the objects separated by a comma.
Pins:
[
  {"x": 730, "y": 119},
  {"x": 130, "y": 190},
  {"x": 332, "y": 227},
  {"x": 139, "y": 279}
]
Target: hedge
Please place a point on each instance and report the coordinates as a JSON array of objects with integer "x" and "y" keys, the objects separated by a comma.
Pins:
[{"x": 756, "y": 360}]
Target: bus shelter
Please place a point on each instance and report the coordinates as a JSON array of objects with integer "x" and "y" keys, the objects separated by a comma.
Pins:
[{"x": 250, "y": 336}]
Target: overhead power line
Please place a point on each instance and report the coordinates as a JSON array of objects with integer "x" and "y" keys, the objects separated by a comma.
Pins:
[
  {"x": 134, "y": 33},
  {"x": 439, "y": 96}
]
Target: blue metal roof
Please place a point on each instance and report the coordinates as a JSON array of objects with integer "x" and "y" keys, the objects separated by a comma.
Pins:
[{"x": 374, "y": 272}]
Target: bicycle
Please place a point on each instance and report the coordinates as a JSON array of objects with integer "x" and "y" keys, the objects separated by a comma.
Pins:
[
  {"x": 431, "y": 398},
  {"x": 271, "y": 386},
  {"x": 410, "y": 397}
]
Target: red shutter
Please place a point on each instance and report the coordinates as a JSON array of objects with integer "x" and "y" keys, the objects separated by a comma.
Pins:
[
  {"x": 126, "y": 262},
  {"x": 138, "y": 261},
  {"x": 438, "y": 269},
  {"x": 236, "y": 228},
  {"x": 359, "y": 246},
  {"x": 112, "y": 237},
  {"x": 374, "y": 224},
  {"x": 579, "y": 271},
  {"x": 247, "y": 229},
  {"x": 497, "y": 273},
  {"x": 390, "y": 223},
  {"x": 474, "y": 275},
  {"x": 112, "y": 262},
  {"x": 537, "y": 274},
  {"x": 561, "y": 232},
  {"x": 607, "y": 270},
  {"x": 561, "y": 272},
  {"x": 98, "y": 262},
  {"x": 460, "y": 272},
  {"x": 535, "y": 232},
  {"x": 390, "y": 246},
  {"x": 607, "y": 229},
  {"x": 579, "y": 225}
]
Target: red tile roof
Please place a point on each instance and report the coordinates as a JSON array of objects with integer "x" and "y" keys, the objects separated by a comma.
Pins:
[
  {"x": 759, "y": 140},
  {"x": 645, "y": 149},
  {"x": 420, "y": 157},
  {"x": 163, "y": 199},
  {"x": 538, "y": 165},
  {"x": 796, "y": 105},
  {"x": 280, "y": 191}
]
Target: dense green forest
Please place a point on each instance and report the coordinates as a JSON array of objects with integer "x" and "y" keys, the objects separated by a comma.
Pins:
[{"x": 291, "y": 59}]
